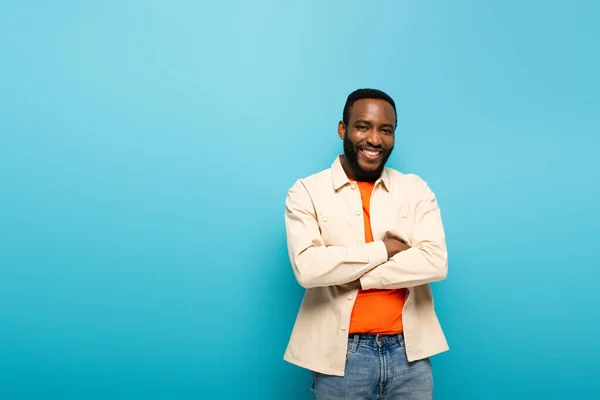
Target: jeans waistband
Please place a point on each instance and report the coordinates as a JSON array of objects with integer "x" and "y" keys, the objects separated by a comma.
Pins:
[{"x": 366, "y": 338}]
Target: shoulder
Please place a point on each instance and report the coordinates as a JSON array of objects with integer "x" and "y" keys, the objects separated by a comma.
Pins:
[
  {"x": 407, "y": 180},
  {"x": 312, "y": 182},
  {"x": 409, "y": 184}
]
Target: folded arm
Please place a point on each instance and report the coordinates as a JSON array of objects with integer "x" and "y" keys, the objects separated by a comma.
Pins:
[
  {"x": 315, "y": 264},
  {"x": 427, "y": 259}
]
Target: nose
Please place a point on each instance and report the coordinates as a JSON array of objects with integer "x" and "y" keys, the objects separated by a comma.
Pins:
[{"x": 374, "y": 138}]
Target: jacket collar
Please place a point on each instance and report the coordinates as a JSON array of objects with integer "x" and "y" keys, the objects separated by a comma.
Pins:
[{"x": 340, "y": 179}]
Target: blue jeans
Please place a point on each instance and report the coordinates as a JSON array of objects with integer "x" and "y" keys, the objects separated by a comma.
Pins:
[{"x": 376, "y": 368}]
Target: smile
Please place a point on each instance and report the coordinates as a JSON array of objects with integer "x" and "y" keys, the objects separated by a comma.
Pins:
[{"x": 371, "y": 154}]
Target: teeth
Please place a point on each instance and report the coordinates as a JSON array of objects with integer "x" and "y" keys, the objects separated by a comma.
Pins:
[{"x": 371, "y": 152}]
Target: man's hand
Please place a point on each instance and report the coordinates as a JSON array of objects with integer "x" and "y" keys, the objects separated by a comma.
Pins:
[{"x": 394, "y": 245}]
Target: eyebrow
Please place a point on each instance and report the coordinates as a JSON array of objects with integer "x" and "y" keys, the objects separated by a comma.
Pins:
[{"x": 364, "y": 121}]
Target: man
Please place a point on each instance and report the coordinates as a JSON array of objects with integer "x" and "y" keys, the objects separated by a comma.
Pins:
[{"x": 365, "y": 241}]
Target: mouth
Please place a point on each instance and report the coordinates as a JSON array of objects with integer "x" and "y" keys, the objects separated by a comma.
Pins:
[{"x": 371, "y": 154}]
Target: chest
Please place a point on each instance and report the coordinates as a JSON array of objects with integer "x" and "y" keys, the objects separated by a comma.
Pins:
[{"x": 341, "y": 220}]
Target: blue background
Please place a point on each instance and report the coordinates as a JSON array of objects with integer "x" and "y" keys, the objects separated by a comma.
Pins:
[{"x": 146, "y": 148}]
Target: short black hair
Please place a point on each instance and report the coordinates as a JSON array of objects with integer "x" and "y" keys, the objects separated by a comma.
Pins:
[{"x": 360, "y": 94}]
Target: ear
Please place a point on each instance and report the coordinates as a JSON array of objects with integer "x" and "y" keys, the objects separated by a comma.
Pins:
[{"x": 342, "y": 130}]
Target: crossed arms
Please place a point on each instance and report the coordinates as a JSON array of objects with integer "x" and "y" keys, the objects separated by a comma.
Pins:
[{"x": 383, "y": 264}]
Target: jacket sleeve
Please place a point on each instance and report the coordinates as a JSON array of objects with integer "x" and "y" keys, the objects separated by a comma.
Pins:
[
  {"x": 426, "y": 261},
  {"x": 315, "y": 264}
]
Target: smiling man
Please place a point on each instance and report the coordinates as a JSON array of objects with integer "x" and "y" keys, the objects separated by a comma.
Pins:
[{"x": 365, "y": 241}]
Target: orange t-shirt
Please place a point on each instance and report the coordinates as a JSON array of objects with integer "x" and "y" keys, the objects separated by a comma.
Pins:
[{"x": 375, "y": 310}]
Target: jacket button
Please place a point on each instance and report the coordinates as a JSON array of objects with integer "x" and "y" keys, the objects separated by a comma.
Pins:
[
  {"x": 353, "y": 186},
  {"x": 404, "y": 215},
  {"x": 325, "y": 219},
  {"x": 343, "y": 327},
  {"x": 357, "y": 212},
  {"x": 350, "y": 297}
]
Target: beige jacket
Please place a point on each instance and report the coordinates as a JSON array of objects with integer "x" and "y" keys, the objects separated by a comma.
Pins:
[{"x": 325, "y": 237}]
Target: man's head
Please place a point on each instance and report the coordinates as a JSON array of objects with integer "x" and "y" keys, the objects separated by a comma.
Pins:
[{"x": 367, "y": 129}]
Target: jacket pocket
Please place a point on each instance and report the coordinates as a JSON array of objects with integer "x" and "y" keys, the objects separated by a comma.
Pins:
[{"x": 335, "y": 228}]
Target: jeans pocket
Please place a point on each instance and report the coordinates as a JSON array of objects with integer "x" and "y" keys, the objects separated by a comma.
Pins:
[
  {"x": 349, "y": 353},
  {"x": 401, "y": 341}
]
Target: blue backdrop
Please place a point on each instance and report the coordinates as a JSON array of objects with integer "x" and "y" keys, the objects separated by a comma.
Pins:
[{"x": 146, "y": 148}]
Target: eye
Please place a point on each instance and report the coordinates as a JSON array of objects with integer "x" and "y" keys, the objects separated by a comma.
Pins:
[
  {"x": 387, "y": 131},
  {"x": 362, "y": 127}
]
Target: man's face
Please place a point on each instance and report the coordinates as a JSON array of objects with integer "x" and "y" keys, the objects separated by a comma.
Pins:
[{"x": 368, "y": 138}]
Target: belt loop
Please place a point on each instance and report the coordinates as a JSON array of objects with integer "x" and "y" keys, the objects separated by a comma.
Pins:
[
  {"x": 355, "y": 341},
  {"x": 401, "y": 339}
]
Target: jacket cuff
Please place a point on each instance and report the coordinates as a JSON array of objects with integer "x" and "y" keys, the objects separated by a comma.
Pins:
[
  {"x": 371, "y": 280},
  {"x": 377, "y": 252}
]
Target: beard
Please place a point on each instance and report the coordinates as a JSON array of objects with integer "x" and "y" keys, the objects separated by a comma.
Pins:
[{"x": 363, "y": 175}]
